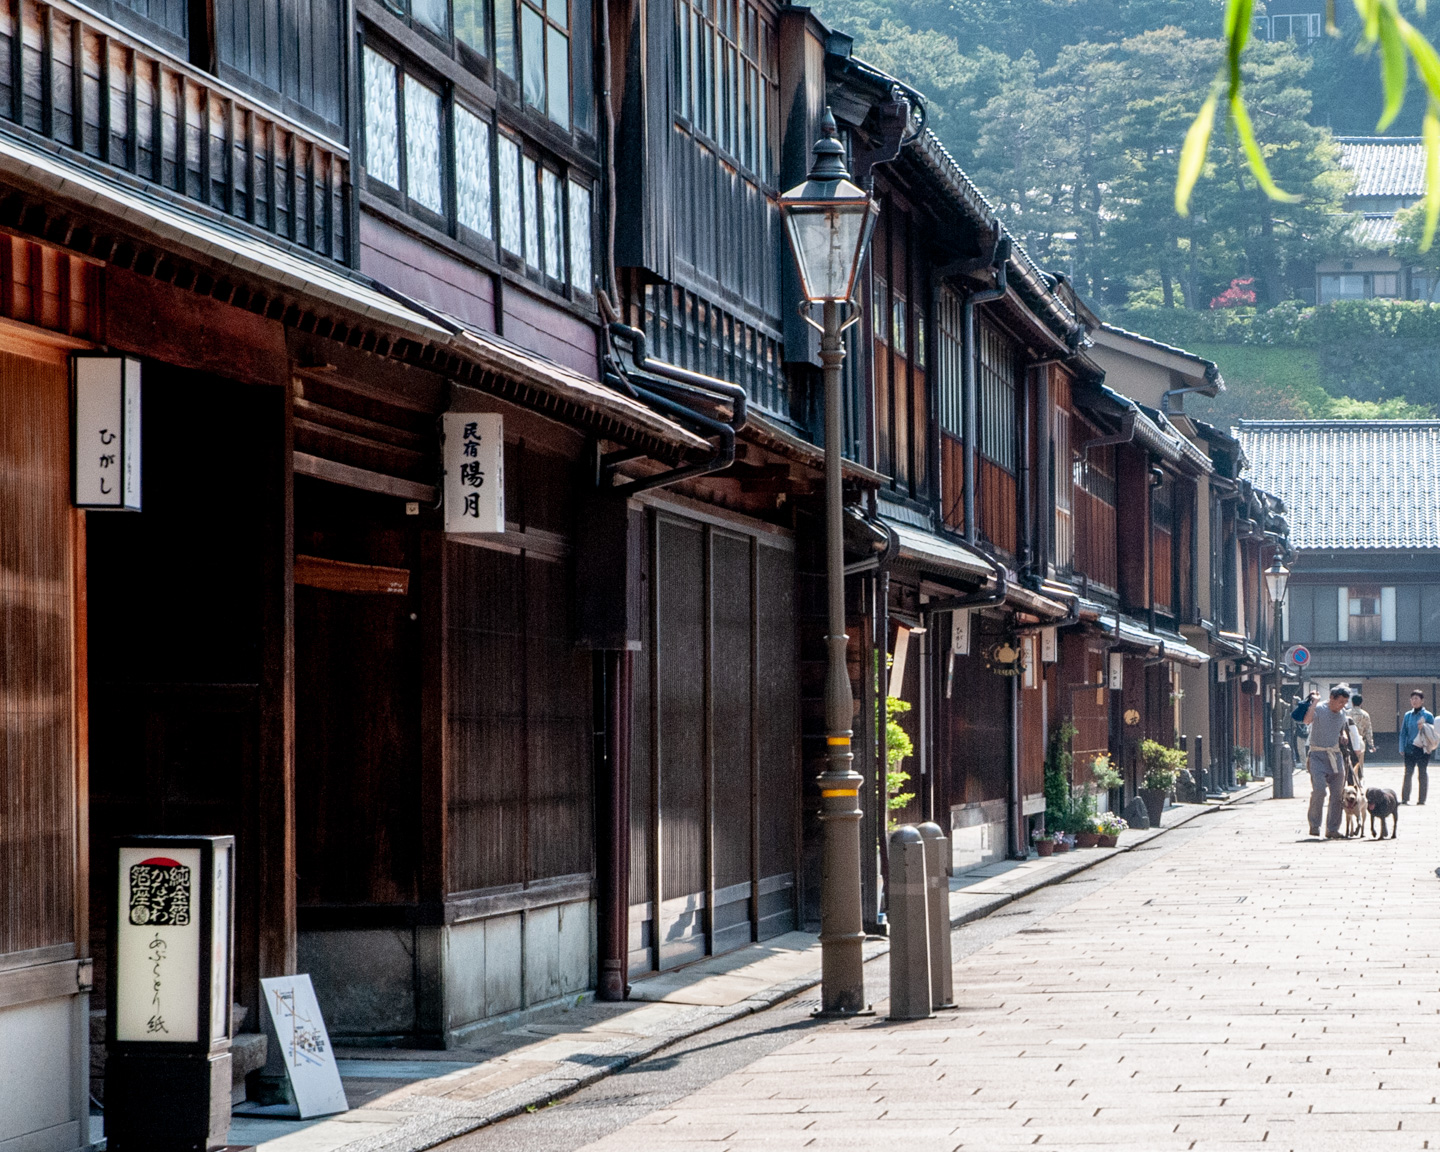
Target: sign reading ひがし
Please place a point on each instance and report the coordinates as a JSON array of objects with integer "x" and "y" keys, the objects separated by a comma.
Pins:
[
  {"x": 172, "y": 940},
  {"x": 106, "y": 432},
  {"x": 474, "y": 452}
]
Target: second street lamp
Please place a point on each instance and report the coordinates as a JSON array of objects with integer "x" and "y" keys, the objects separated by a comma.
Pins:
[
  {"x": 829, "y": 221},
  {"x": 1277, "y": 576}
]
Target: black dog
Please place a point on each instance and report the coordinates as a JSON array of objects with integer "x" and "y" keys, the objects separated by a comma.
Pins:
[{"x": 1382, "y": 806}]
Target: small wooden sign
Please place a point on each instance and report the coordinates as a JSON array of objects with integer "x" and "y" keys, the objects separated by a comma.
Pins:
[{"x": 342, "y": 576}]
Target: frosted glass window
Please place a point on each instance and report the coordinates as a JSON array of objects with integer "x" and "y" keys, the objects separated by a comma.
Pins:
[
  {"x": 529, "y": 193},
  {"x": 510, "y": 198},
  {"x": 470, "y": 23},
  {"x": 556, "y": 10},
  {"x": 431, "y": 14},
  {"x": 580, "y": 272},
  {"x": 558, "y": 67},
  {"x": 505, "y": 36},
  {"x": 472, "y": 172},
  {"x": 382, "y": 126},
  {"x": 554, "y": 226},
  {"x": 532, "y": 54},
  {"x": 422, "y": 145}
]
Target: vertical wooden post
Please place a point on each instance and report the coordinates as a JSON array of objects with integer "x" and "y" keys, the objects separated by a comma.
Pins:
[
  {"x": 613, "y": 844},
  {"x": 272, "y": 833}
]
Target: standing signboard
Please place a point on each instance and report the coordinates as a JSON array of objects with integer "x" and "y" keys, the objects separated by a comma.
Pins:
[
  {"x": 297, "y": 1030},
  {"x": 170, "y": 981}
]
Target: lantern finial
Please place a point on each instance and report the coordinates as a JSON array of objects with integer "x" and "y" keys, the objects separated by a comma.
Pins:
[{"x": 829, "y": 152}]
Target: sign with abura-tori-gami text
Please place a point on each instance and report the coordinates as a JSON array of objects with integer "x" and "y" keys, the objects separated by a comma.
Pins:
[
  {"x": 158, "y": 962},
  {"x": 474, "y": 453},
  {"x": 106, "y": 432}
]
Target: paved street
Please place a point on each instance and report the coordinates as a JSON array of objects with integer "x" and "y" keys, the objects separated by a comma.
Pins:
[{"x": 1231, "y": 984}]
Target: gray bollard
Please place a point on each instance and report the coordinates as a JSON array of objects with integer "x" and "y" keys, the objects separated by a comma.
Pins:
[
  {"x": 937, "y": 889},
  {"x": 909, "y": 926}
]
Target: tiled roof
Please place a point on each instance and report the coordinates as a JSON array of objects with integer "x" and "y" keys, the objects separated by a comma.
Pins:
[
  {"x": 1385, "y": 165},
  {"x": 1350, "y": 483},
  {"x": 1376, "y": 228}
]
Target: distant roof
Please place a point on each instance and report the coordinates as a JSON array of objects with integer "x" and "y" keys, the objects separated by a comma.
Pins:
[
  {"x": 1384, "y": 165},
  {"x": 1350, "y": 484},
  {"x": 1378, "y": 228},
  {"x": 1215, "y": 383}
]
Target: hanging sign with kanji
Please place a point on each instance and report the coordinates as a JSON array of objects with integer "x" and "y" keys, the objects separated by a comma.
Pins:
[{"x": 474, "y": 453}]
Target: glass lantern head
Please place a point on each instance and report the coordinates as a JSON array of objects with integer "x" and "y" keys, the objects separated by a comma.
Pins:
[{"x": 829, "y": 220}]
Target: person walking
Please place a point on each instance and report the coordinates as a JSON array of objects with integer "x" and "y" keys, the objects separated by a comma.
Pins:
[
  {"x": 1361, "y": 719},
  {"x": 1327, "y": 768},
  {"x": 1416, "y": 755}
]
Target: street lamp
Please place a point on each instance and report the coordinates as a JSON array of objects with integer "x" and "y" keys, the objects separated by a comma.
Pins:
[
  {"x": 1277, "y": 576},
  {"x": 829, "y": 221}
]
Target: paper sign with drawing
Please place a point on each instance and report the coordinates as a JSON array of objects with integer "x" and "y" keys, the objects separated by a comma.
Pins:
[{"x": 304, "y": 1045}]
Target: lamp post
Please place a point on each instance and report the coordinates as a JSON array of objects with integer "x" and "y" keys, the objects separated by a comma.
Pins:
[
  {"x": 1277, "y": 576},
  {"x": 829, "y": 221}
]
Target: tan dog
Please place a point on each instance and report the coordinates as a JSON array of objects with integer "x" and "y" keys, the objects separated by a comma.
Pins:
[{"x": 1354, "y": 811}]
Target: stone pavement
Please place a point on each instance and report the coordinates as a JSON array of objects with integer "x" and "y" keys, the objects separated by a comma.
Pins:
[
  {"x": 1250, "y": 988},
  {"x": 405, "y": 1101}
]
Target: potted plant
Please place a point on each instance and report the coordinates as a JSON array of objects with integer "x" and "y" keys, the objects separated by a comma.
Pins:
[
  {"x": 1162, "y": 769},
  {"x": 1082, "y": 811},
  {"x": 1044, "y": 842},
  {"x": 1110, "y": 826}
]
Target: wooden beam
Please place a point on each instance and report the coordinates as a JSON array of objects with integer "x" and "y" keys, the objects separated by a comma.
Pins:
[{"x": 352, "y": 477}]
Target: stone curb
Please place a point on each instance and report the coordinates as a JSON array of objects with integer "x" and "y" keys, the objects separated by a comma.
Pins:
[{"x": 432, "y": 1130}]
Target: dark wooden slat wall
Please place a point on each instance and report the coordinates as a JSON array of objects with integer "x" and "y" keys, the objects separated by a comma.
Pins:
[
  {"x": 714, "y": 754},
  {"x": 952, "y": 481},
  {"x": 1095, "y": 539},
  {"x": 995, "y": 495},
  {"x": 973, "y": 728},
  {"x": 38, "y": 624}
]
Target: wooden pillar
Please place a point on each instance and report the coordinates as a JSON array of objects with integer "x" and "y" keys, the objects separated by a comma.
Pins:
[
  {"x": 272, "y": 832},
  {"x": 614, "y": 682}
]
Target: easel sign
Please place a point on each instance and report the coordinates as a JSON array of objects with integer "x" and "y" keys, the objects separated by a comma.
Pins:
[{"x": 296, "y": 1023}]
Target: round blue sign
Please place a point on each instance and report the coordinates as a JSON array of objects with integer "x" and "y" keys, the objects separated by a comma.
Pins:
[{"x": 1298, "y": 655}]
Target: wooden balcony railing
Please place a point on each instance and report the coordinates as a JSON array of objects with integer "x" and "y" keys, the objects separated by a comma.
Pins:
[{"x": 90, "y": 86}]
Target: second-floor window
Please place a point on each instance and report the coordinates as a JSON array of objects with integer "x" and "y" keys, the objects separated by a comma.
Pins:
[
  {"x": 726, "y": 79},
  {"x": 505, "y": 192},
  {"x": 1064, "y": 488},
  {"x": 949, "y": 355},
  {"x": 996, "y": 386}
]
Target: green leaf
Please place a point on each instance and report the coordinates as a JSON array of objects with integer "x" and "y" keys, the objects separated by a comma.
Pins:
[
  {"x": 1431, "y": 133},
  {"x": 1256, "y": 159},
  {"x": 1394, "y": 67},
  {"x": 1192, "y": 155}
]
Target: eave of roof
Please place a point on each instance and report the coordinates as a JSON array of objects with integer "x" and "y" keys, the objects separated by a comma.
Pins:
[{"x": 1214, "y": 382}]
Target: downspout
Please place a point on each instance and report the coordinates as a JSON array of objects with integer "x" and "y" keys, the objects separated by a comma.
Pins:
[
  {"x": 968, "y": 358},
  {"x": 674, "y": 391},
  {"x": 1124, "y": 436},
  {"x": 1165, "y": 398}
]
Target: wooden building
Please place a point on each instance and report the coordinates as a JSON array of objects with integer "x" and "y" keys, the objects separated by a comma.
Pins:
[{"x": 1362, "y": 598}]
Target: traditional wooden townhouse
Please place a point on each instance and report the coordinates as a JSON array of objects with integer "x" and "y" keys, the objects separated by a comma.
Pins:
[{"x": 1238, "y": 528}]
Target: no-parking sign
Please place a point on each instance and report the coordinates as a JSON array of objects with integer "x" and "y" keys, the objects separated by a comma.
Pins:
[{"x": 1298, "y": 655}]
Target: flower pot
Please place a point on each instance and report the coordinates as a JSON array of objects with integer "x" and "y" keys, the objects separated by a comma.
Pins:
[
  {"x": 1109, "y": 841},
  {"x": 1087, "y": 839},
  {"x": 1045, "y": 847},
  {"x": 1154, "y": 803},
  {"x": 1061, "y": 846}
]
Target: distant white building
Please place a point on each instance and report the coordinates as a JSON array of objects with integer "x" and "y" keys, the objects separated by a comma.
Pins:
[{"x": 1389, "y": 175}]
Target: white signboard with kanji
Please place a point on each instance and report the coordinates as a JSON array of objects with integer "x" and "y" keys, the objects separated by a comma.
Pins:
[
  {"x": 158, "y": 950},
  {"x": 107, "y": 432},
  {"x": 474, "y": 453},
  {"x": 304, "y": 1044}
]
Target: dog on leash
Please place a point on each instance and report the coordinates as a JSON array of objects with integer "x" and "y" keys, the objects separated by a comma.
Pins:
[
  {"x": 1382, "y": 805},
  {"x": 1354, "y": 812}
]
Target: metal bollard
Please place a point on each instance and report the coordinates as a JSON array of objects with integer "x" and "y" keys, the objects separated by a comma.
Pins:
[
  {"x": 909, "y": 926},
  {"x": 937, "y": 891}
]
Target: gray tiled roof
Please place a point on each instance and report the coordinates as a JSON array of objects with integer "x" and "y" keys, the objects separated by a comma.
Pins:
[
  {"x": 1367, "y": 468},
  {"x": 1385, "y": 166},
  {"x": 1376, "y": 228}
]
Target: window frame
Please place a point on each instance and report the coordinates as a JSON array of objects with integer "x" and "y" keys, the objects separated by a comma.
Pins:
[{"x": 400, "y": 196}]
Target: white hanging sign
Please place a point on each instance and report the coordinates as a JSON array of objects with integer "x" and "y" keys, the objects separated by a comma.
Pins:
[
  {"x": 473, "y": 447},
  {"x": 158, "y": 961},
  {"x": 106, "y": 432},
  {"x": 299, "y": 1029},
  {"x": 960, "y": 632},
  {"x": 1049, "y": 645},
  {"x": 1117, "y": 672}
]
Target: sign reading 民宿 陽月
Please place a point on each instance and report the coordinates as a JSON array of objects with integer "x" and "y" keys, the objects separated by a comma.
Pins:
[
  {"x": 474, "y": 453},
  {"x": 158, "y": 948}
]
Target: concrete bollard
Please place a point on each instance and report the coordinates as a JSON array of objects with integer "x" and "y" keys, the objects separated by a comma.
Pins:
[
  {"x": 909, "y": 926},
  {"x": 937, "y": 891}
]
